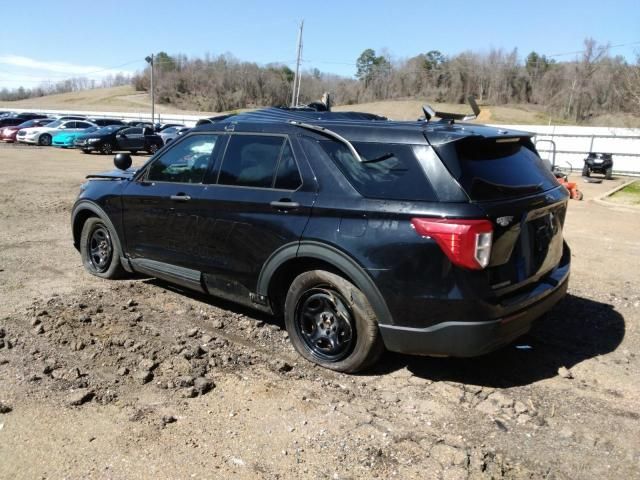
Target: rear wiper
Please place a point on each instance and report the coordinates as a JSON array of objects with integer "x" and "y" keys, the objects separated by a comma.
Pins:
[{"x": 384, "y": 156}]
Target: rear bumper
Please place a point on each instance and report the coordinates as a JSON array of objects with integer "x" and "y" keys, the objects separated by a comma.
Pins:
[{"x": 470, "y": 339}]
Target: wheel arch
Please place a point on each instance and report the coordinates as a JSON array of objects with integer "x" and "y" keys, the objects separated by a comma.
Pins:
[
  {"x": 293, "y": 259},
  {"x": 82, "y": 211}
]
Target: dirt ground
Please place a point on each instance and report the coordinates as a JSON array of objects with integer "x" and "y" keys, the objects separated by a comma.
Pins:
[{"x": 137, "y": 379}]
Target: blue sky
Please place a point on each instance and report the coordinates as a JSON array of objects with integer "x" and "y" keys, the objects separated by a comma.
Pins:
[{"x": 52, "y": 40}]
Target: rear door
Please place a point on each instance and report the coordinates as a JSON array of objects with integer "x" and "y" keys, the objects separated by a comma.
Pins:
[{"x": 259, "y": 200}]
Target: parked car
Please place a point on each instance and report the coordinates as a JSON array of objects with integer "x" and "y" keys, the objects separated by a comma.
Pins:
[
  {"x": 601, "y": 163},
  {"x": 30, "y": 116},
  {"x": 428, "y": 238},
  {"x": 71, "y": 117},
  {"x": 160, "y": 127},
  {"x": 11, "y": 121},
  {"x": 67, "y": 138},
  {"x": 104, "y": 122},
  {"x": 8, "y": 134},
  {"x": 117, "y": 138},
  {"x": 171, "y": 133},
  {"x": 44, "y": 135}
]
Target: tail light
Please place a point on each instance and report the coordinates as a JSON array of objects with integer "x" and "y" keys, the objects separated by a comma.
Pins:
[{"x": 467, "y": 243}]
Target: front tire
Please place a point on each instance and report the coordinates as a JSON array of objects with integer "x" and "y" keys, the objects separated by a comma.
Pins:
[
  {"x": 153, "y": 148},
  {"x": 331, "y": 323},
  {"x": 608, "y": 173},
  {"x": 44, "y": 140},
  {"x": 84, "y": 150},
  {"x": 585, "y": 171},
  {"x": 100, "y": 249}
]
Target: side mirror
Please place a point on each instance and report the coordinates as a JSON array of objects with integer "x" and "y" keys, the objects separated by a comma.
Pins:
[{"x": 122, "y": 161}]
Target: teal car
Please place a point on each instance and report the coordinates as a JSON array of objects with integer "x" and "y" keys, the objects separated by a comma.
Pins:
[{"x": 66, "y": 139}]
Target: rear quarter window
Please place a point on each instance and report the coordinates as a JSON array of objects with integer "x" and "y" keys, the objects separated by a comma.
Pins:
[{"x": 389, "y": 171}]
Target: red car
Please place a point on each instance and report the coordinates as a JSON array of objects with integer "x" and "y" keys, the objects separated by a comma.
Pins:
[{"x": 8, "y": 133}]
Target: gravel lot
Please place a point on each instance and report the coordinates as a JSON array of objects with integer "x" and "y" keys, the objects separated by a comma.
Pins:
[{"x": 136, "y": 379}]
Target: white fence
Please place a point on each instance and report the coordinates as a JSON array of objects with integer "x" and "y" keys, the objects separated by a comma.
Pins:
[
  {"x": 572, "y": 143},
  {"x": 187, "y": 120}
]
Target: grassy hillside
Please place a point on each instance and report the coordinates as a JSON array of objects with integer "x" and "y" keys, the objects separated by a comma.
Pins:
[
  {"x": 126, "y": 99},
  {"x": 115, "y": 99}
]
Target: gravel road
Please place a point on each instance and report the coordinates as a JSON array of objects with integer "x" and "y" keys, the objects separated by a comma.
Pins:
[{"x": 137, "y": 379}]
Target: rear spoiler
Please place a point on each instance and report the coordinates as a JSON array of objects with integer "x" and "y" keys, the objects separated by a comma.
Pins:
[{"x": 429, "y": 112}]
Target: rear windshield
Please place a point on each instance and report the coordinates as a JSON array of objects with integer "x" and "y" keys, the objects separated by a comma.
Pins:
[
  {"x": 389, "y": 171},
  {"x": 489, "y": 170}
]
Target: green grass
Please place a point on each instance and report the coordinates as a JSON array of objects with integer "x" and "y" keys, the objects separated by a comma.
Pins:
[{"x": 629, "y": 195}]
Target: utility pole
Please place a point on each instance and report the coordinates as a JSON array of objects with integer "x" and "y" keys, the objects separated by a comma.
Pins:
[
  {"x": 295, "y": 94},
  {"x": 149, "y": 60}
]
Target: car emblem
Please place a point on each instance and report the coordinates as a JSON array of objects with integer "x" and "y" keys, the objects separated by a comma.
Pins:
[{"x": 504, "y": 221}]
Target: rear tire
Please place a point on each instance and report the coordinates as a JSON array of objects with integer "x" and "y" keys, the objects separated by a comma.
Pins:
[
  {"x": 100, "y": 249},
  {"x": 331, "y": 323},
  {"x": 585, "y": 171},
  {"x": 153, "y": 148},
  {"x": 608, "y": 173},
  {"x": 106, "y": 148},
  {"x": 133, "y": 152},
  {"x": 84, "y": 150}
]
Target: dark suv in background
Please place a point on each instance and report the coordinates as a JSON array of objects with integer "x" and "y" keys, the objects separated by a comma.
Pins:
[{"x": 430, "y": 238}]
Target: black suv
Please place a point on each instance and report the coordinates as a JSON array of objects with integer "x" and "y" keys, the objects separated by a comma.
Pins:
[
  {"x": 431, "y": 238},
  {"x": 119, "y": 137},
  {"x": 598, "y": 163}
]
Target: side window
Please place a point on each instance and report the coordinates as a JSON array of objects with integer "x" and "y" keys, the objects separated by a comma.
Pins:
[
  {"x": 185, "y": 162},
  {"x": 288, "y": 176},
  {"x": 250, "y": 161},
  {"x": 82, "y": 125}
]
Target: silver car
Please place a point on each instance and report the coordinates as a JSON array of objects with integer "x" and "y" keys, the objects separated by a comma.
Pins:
[{"x": 169, "y": 134}]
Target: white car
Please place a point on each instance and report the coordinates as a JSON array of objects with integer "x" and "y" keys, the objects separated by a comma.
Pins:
[{"x": 43, "y": 135}]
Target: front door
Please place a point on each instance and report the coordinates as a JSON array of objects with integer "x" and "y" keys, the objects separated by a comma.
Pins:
[
  {"x": 163, "y": 206},
  {"x": 130, "y": 139}
]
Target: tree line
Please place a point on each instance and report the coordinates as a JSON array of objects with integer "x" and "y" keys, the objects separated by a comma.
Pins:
[{"x": 592, "y": 83}]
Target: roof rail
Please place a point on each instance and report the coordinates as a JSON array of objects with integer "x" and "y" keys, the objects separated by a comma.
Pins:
[{"x": 329, "y": 133}]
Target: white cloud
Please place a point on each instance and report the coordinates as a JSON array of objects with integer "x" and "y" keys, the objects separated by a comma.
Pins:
[{"x": 28, "y": 72}]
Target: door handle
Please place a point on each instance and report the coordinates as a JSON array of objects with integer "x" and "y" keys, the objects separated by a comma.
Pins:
[
  {"x": 284, "y": 205},
  {"x": 181, "y": 197}
]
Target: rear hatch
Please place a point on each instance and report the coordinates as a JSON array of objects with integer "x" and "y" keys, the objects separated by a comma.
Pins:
[{"x": 506, "y": 178}]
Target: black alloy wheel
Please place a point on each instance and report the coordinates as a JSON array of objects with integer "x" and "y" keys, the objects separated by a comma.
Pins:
[
  {"x": 331, "y": 322},
  {"x": 106, "y": 148},
  {"x": 100, "y": 248},
  {"x": 325, "y": 323}
]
